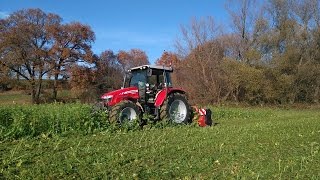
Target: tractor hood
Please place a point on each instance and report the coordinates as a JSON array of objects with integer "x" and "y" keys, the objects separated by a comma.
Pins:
[{"x": 113, "y": 97}]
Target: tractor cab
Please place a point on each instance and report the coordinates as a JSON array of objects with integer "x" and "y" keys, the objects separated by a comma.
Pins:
[
  {"x": 149, "y": 80},
  {"x": 157, "y": 76}
]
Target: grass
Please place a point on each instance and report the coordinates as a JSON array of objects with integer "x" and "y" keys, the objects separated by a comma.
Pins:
[
  {"x": 246, "y": 143},
  {"x": 14, "y": 97},
  {"x": 49, "y": 119}
]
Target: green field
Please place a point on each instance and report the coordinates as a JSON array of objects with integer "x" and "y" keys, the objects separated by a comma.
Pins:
[
  {"x": 22, "y": 97},
  {"x": 259, "y": 143},
  {"x": 14, "y": 97}
]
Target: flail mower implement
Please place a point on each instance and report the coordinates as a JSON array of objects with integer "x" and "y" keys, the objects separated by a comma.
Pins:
[{"x": 148, "y": 89}]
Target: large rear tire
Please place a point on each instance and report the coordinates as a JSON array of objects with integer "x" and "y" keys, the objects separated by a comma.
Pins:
[
  {"x": 176, "y": 109},
  {"x": 125, "y": 111}
]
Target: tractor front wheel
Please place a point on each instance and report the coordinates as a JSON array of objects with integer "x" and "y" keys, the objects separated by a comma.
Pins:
[
  {"x": 125, "y": 111},
  {"x": 176, "y": 109}
]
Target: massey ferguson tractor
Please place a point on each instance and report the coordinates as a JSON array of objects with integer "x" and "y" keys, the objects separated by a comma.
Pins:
[{"x": 148, "y": 89}]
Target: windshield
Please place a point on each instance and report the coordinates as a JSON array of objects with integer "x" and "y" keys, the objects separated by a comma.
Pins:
[{"x": 138, "y": 76}]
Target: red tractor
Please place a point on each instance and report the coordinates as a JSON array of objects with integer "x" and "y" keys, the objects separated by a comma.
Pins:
[{"x": 148, "y": 89}]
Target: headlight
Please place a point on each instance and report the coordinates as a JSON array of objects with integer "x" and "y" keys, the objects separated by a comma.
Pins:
[{"x": 107, "y": 98}]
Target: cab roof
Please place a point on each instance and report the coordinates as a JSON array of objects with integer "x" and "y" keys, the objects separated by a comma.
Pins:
[{"x": 156, "y": 67}]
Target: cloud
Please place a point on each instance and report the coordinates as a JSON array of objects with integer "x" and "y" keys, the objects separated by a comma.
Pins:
[{"x": 3, "y": 14}]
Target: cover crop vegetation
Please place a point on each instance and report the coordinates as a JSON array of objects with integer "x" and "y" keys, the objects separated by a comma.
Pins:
[
  {"x": 49, "y": 119},
  {"x": 67, "y": 141}
]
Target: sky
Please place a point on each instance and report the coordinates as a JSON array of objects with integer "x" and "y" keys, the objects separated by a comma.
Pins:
[{"x": 150, "y": 25}]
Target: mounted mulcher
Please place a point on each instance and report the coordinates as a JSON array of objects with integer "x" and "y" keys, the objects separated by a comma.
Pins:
[{"x": 148, "y": 89}]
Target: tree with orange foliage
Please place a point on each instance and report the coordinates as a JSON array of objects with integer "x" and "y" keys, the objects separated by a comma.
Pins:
[
  {"x": 83, "y": 80},
  {"x": 168, "y": 59},
  {"x": 132, "y": 58},
  {"x": 34, "y": 44},
  {"x": 24, "y": 44},
  {"x": 71, "y": 44}
]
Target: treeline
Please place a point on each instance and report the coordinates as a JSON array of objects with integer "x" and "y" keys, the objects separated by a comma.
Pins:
[
  {"x": 37, "y": 47},
  {"x": 270, "y": 54}
]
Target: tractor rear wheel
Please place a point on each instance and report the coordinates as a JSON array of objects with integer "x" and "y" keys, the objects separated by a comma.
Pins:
[
  {"x": 176, "y": 109},
  {"x": 125, "y": 111}
]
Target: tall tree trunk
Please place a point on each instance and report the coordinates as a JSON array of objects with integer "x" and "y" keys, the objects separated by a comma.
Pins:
[
  {"x": 38, "y": 92},
  {"x": 55, "y": 86},
  {"x": 36, "y": 88},
  {"x": 316, "y": 97},
  {"x": 34, "y": 99},
  {"x": 17, "y": 76}
]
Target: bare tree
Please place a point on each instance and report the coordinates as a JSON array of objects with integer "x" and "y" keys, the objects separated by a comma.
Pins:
[
  {"x": 242, "y": 13},
  {"x": 201, "y": 55}
]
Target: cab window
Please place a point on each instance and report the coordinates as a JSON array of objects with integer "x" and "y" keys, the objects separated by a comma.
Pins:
[{"x": 157, "y": 78}]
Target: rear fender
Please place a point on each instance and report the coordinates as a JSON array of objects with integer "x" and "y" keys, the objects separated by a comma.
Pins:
[{"x": 162, "y": 95}]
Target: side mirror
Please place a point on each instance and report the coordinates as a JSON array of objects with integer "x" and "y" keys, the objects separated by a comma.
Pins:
[
  {"x": 149, "y": 72},
  {"x": 124, "y": 81}
]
